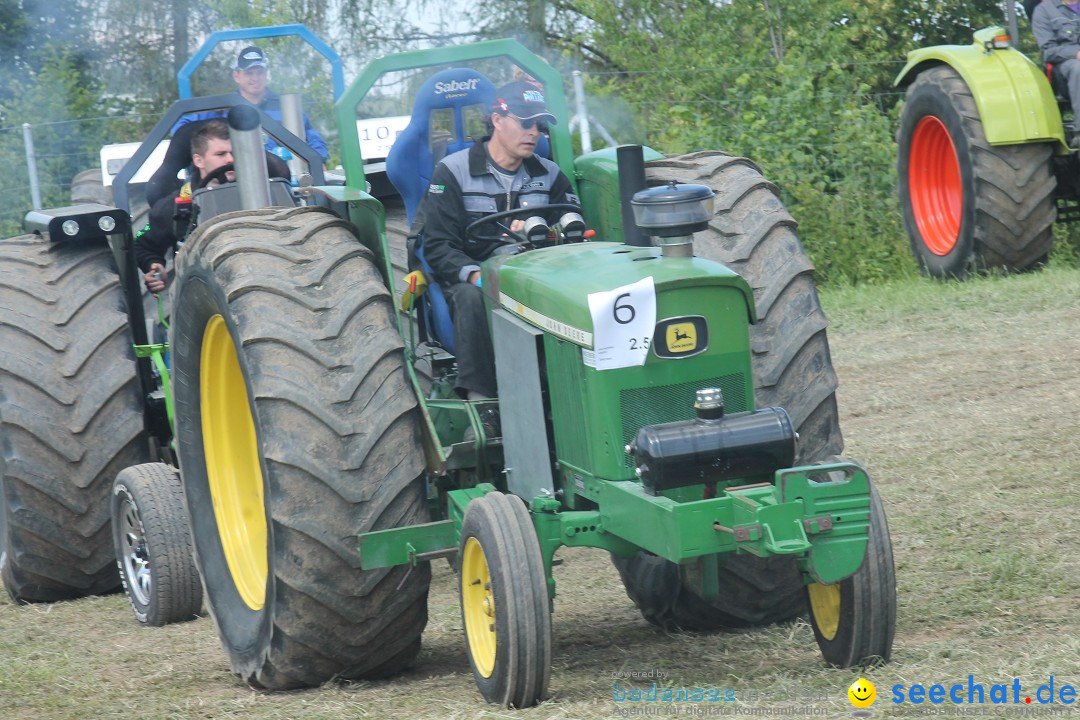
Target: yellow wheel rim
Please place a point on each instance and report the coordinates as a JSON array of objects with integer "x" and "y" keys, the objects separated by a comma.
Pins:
[
  {"x": 478, "y": 606},
  {"x": 825, "y": 607},
  {"x": 232, "y": 464}
]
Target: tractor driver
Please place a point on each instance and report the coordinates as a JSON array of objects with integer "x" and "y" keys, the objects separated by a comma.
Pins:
[
  {"x": 1056, "y": 25},
  {"x": 211, "y": 148},
  {"x": 498, "y": 173}
]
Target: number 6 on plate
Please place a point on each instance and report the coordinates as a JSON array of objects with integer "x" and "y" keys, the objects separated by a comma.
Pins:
[{"x": 623, "y": 322}]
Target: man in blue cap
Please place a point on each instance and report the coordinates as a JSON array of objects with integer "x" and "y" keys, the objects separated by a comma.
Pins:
[
  {"x": 500, "y": 172},
  {"x": 250, "y": 76}
]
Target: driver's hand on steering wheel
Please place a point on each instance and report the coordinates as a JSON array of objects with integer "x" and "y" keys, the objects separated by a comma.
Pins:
[{"x": 515, "y": 226}]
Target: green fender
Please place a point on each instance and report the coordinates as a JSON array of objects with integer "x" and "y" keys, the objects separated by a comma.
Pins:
[{"x": 1014, "y": 97}]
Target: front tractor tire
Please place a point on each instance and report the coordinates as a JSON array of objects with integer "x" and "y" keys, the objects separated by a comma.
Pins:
[
  {"x": 71, "y": 416},
  {"x": 854, "y": 620},
  {"x": 296, "y": 431},
  {"x": 153, "y": 545},
  {"x": 505, "y": 608},
  {"x": 752, "y": 233},
  {"x": 968, "y": 205}
]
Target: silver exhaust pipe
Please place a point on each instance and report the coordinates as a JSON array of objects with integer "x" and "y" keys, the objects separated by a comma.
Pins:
[{"x": 249, "y": 157}]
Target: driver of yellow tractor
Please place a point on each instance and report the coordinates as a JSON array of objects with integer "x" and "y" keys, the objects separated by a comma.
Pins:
[
  {"x": 211, "y": 149},
  {"x": 1056, "y": 26},
  {"x": 500, "y": 172}
]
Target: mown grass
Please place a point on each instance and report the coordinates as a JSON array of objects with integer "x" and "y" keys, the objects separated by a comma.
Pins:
[{"x": 960, "y": 398}]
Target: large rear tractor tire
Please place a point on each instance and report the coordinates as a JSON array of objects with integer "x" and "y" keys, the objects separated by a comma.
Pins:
[
  {"x": 88, "y": 187},
  {"x": 752, "y": 233},
  {"x": 296, "y": 430},
  {"x": 153, "y": 545},
  {"x": 854, "y": 620},
  {"x": 71, "y": 416},
  {"x": 969, "y": 205}
]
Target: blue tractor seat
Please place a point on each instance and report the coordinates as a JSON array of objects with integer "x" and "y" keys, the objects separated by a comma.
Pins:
[{"x": 448, "y": 116}]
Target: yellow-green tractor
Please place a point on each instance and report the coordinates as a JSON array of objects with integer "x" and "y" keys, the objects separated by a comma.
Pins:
[{"x": 984, "y": 167}]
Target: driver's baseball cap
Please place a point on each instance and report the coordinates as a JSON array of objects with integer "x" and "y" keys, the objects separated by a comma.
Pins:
[
  {"x": 522, "y": 99},
  {"x": 250, "y": 56}
]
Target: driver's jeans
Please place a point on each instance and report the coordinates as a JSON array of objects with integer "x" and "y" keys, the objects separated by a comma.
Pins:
[
  {"x": 472, "y": 340},
  {"x": 1070, "y": 71}
]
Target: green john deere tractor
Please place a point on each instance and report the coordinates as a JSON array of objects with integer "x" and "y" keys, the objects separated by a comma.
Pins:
[
  {"x": 668, "y": 401},
  {"x": 984, "y": 167}
]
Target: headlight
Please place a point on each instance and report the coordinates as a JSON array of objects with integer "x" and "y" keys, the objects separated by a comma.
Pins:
[
  {"x": 70, "y": 227},
  {"x": 106, "y": 223}
]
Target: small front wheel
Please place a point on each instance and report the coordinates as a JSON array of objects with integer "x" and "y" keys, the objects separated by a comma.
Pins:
[
  {"x": 152, "y": 540},
  {"x": 505, "y": 608},
  {"x": 854, "y": 619}
]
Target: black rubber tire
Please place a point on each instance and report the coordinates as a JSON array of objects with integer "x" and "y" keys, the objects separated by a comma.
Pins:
[
  {"x": 752, "y": 233},
  {"x": 71, "y": 416},
  {"x": 397, "y": 236},
  {"x": 87, "y": 187},
  {"x": 753, "y": 592},
  {"x": 1007, "y": 208},
  {"x": 867, "y": 603},
  {"x": 152, "y": 540},
  {"x": 337, "y": 441},
  {"x": 498, "y": 542}
]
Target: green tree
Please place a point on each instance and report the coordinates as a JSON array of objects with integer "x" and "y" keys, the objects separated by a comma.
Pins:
[{"x": 804, "y": 89}]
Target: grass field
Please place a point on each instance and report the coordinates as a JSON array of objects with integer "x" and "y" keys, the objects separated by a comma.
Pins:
[{"x": 961, "y": 399}]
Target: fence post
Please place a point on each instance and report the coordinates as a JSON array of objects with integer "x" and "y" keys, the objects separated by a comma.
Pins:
[
  {"x": 583, "y": 117},
  {"x": 31, "y": 167}
]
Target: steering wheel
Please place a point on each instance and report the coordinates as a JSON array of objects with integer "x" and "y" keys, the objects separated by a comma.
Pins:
[
  {"x": 215, "y": 174},
  {"x": 522, "y": 212}
]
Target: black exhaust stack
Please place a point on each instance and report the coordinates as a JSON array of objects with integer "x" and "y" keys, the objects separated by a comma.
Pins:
[{"x": 631, "y": 163}]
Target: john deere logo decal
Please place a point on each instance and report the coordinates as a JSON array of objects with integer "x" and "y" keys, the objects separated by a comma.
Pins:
[{"x": 681, "y": 337}]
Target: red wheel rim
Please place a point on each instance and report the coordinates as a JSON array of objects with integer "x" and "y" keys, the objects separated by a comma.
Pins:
[{"x": 937, "y": 192}]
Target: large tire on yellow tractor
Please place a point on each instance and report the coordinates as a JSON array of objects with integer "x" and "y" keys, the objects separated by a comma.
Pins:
[
  {"x": 71, "y": 416},
  {"x": 752, "y": 233},
  {"x": 969, "y": 205},
  {"x": 297, "y": 431}
]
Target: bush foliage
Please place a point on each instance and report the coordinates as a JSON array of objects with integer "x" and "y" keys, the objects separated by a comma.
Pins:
[{"x": 803, "y": 89}]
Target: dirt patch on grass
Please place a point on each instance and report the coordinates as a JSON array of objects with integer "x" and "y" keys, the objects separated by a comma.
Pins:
[{"x": 961, "y": 400}]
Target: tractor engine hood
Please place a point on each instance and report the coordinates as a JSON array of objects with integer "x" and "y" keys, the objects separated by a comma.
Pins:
[{"x": 550, "y": 287}]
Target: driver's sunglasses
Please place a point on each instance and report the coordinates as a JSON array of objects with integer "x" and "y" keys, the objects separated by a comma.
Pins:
[{"x": 541, "y": 125}]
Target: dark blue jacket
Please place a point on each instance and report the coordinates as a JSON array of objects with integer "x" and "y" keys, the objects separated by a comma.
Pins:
[{"x": 464, "y": 189}]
